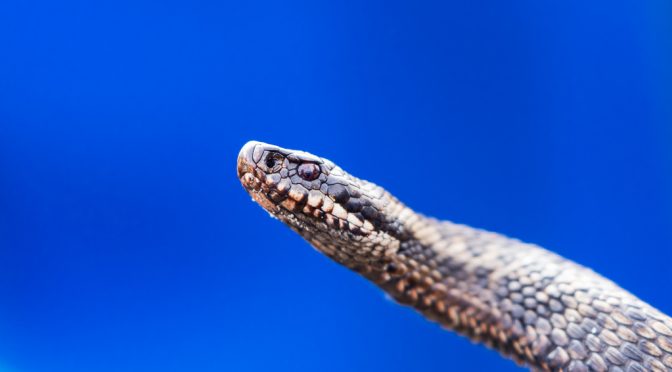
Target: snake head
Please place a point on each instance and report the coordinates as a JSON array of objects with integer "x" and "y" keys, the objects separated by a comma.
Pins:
[{"x": 336, "y": 212}]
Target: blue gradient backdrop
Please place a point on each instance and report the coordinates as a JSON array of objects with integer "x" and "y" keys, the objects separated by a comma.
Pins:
[{"x": 127, "y": 244}]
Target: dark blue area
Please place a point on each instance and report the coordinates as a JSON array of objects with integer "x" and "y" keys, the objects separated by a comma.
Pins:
[{"x": 127, "y": 243}]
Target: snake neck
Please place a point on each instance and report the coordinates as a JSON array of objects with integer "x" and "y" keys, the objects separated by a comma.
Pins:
[
  {"x": 448, "y": 272},
  {"x": 369, "y": 236},
  {"x": 439, "y": 268}
]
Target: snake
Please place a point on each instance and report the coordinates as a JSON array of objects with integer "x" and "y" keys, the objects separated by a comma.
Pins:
[{"x": 543, "y": 311}]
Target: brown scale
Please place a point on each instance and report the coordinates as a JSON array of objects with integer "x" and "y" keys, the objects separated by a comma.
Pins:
[{"x": 539, "y": 309}]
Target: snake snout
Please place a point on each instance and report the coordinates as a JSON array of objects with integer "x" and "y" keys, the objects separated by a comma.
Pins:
[{"x": 246, "y": 162}]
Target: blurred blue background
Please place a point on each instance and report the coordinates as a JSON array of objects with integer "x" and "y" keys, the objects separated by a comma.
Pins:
[{"x": 127, "y": 243}]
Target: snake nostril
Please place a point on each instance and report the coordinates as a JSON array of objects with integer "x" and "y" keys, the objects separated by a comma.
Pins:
[{"x": 273, "y": 162}]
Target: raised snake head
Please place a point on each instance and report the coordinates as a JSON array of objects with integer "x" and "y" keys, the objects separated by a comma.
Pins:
[{"x": 348, "y": 219}]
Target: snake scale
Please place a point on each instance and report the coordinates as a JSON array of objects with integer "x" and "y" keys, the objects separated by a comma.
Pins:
[{"x": 542, "y": 310}]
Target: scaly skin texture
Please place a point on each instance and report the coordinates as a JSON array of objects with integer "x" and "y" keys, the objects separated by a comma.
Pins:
[{"x": 531, "y": 305}]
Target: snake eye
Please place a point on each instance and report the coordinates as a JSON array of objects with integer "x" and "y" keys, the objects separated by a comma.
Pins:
[
  {"x": 273, "y": 162},
  {"x": 309, "y": 171}
]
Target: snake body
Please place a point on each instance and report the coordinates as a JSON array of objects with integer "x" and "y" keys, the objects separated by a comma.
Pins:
[{"x": 542, "y": 310}]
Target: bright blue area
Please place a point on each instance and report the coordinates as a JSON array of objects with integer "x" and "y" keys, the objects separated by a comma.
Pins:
[{"x": 127, "y": 243}]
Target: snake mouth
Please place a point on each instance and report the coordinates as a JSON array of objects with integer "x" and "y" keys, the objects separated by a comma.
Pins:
[
  {"x": 251, "y": 176},
  {"x": 245, "y": 163},
  {"x": 254, "y": 187}
]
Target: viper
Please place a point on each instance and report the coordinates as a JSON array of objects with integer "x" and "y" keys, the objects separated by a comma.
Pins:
[{"x": 531, "y": 305}]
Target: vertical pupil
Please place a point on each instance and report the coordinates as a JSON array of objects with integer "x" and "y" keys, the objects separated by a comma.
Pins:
[
  {"x": 270, "y": 162},
  {"x": 308, "y": 171}
]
